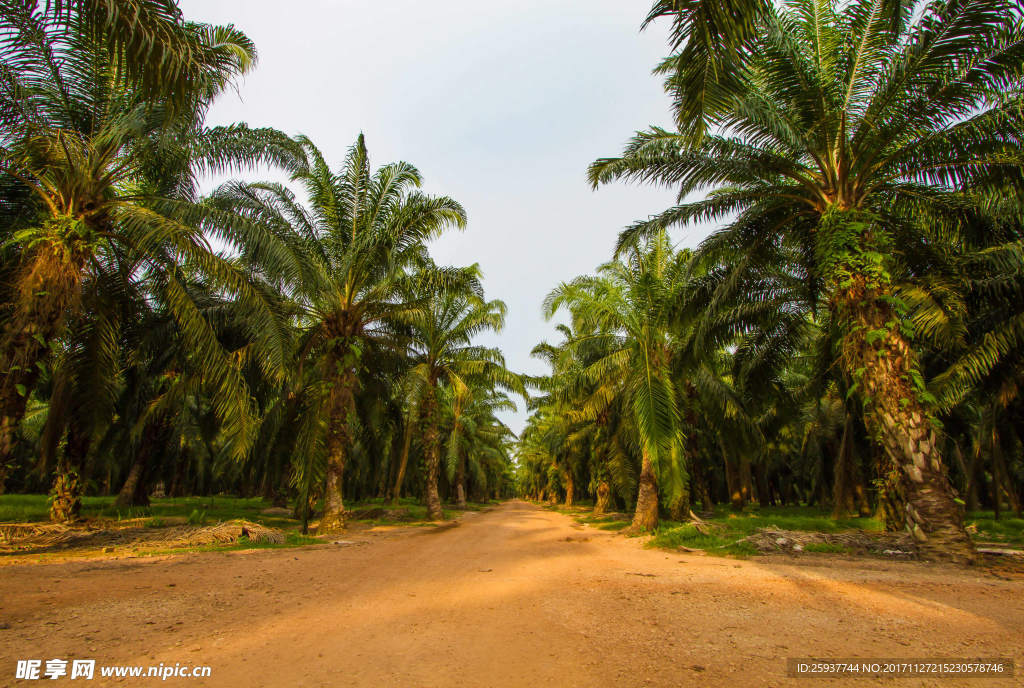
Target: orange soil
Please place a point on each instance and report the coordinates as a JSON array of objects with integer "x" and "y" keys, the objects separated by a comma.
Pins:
[{"x": 517, "y": 596}]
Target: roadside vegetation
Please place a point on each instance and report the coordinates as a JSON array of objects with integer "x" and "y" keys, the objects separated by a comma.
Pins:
[
  {"x": 848, "y": 338},
  {"x": 292, "y": 344},
  {"x": 724, "y": 531},
  {"x": 843, "y": 351}
]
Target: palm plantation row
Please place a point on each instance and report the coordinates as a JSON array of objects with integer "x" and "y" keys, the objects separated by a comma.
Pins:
[
  {"x": 851, "y": 331},
  {"x": 247, "y": 340}
]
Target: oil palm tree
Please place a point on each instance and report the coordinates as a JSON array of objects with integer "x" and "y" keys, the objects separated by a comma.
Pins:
[
  {"x": 628, "y": 310},
  {"x": 475, "y": 446},
  {"x": 858, "y": 136},
  {"x": 99, "y": 166},
  {"x": 444, "y": 356},
  {"x": 362, "y": 242}
]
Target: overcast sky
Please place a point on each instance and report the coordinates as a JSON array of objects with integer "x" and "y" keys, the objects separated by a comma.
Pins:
[{"x": 500, "y": 105}]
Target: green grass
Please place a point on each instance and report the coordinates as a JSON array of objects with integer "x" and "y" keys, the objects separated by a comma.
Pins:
[
  {"x": 206, "y": 510},
  {"x": 417, "y": 511},
  {"x": 210, "y": 510},
  {"x": 1007, "y": 530},
  {"x": 36, "y": 508},
  {"x": 720, "y": 542},
  {"x": 28, "y": 508},
  {"x": 804, "y": 518},
  {"x": 575, "y": 510},
  {"x": 606, "y": 522},
  {"x": 728, "y": 528}
]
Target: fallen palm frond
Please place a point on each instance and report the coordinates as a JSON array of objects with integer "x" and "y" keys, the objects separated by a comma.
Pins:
[
  {"x": 792, "y": 541},
  {"x": 24, "y": 537}
]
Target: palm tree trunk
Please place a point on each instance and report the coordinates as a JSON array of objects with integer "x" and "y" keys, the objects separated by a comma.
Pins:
[
  {"x": 842, "y": 485},
  {"x": 701, "y": 489},
  {"x": 645, "y": 518},
  {"x": 12, "y": 410},
  {"x": 604, "y": 494},
  {"x": 1001, "y": 474},
  {"x": 46, "y": 289},
  {"x": 732, "y": 480},
  {"x": 66, "y": 495},
  {"x": 764, "y": 494},
  {"x": 569, "y": 488},
  {"x": 432, "y": 447},
  {"x": 878, "y": 357},
  {"x": 403, "y": 461},
  {"x": 460, "y": 482},
  {"x": 338, "y": 443},
  {"x": 680, "y": 509},
  {"x": 970, "y": 475},
  {"x": 132, "y": 492},
  {"x": 746, "y": 481}
]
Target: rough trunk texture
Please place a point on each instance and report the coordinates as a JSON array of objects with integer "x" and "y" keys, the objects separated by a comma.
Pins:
[
  {"x": 569, "y": 488},
  {"x": 604, "y": 496},
  {"x": 432, "y": 448},
  {"x": 645, "y": 518},
  {"x": 877, "y": 356},
  {"x": 338, "y": 443},
  {"x": 66, "y": 495}
]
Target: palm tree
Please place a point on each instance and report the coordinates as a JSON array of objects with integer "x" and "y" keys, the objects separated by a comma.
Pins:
[
  {"x": 577, "y": 442},
  {"x": 443, "y": 355},
  {"x": 99, "y": 166},
  {"x": 362, "y": 240},
  {"x": 476, "y": 444},
  {"x": 628, "y": 308},
  {"x": 858, "y": 138}
]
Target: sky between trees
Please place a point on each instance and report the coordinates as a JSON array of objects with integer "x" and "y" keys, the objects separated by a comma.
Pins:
[{"x": 502, "y": 107}]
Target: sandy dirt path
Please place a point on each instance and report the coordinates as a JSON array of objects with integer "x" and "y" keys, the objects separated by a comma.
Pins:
[{"x": 517, "y": 596}]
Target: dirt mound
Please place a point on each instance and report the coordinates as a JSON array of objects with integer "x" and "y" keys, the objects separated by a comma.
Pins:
[
  {"x": 43, "y": 537},
  {"x": 768, "y": 540}
]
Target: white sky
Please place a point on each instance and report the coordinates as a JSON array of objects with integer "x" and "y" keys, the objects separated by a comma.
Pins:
[{"x": 500, "y": 105}]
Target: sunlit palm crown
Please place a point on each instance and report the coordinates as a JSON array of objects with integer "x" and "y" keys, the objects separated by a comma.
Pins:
[
  {"x": 362, "y": 239},
  {"x": 624, "y": 315},
  {"x": 895, "y": 108},
  {"x": 442, "y": 348},
  {"x": 905, "y": 115}
]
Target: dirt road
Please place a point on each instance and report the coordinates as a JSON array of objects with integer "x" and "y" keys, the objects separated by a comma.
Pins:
[{"x": 517, "y": 596}]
